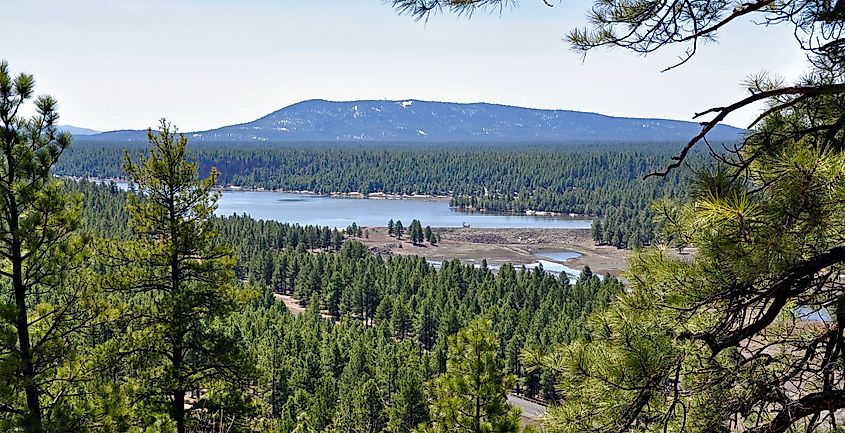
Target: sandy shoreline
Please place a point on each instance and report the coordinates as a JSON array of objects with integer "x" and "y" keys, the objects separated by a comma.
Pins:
[{"x": 369, "y": 196}]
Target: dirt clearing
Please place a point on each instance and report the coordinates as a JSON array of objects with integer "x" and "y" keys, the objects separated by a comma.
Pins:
[{"x": 498, "y": 246}]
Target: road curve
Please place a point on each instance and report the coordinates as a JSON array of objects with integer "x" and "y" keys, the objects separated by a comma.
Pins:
[{"x": 530, "y": 409}]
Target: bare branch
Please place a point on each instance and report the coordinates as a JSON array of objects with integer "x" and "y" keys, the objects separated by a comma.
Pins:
[{"x": 723, "y": 112}]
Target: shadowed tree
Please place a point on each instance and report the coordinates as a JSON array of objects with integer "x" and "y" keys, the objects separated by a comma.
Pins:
[{"x": 43, "y": 299}]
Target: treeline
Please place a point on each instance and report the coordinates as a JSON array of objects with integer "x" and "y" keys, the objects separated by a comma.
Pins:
[
  {"x": 104, "y": 205},
  {"x": 594, "y": 179},
  {"x": 416, "y": 232}
]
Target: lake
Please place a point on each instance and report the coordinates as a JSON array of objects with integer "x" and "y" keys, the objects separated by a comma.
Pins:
[
  {"x": 561, "y": 256},
  {"x": 340, "y": 212}
]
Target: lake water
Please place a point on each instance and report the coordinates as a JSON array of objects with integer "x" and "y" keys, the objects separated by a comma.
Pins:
[
  {"x": 340, "y": 212},
  {"x": 560, "y": 255}
]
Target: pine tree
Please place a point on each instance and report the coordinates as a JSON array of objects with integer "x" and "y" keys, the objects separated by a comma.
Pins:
[
  {"x": 398, "y": 229},
  {"x": 415, "y": 232},
  {"x": 471, "y": 396},
  {"x": 44, "y": 301},
  {"x": 368, "y": 409},
  {"x": 696, "y": 334},
  {"x": 400, "y": 322},
  {"x": 597, "y": 231},
  {"x": 408, "y": 406},
  {"x": 180, "y": 281}
]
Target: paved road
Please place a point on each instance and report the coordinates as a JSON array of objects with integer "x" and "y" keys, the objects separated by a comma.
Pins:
[{"x": 530, "y": 409}]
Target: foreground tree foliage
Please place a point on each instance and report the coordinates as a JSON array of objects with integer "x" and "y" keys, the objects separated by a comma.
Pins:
[
  {"x": 748, "y": 333},
  {"x": 745, "y": 334},
  {"x": 44, "y": 300},
  {"x": 174, "y": 283},
  {"x": 471, "y": 396}
]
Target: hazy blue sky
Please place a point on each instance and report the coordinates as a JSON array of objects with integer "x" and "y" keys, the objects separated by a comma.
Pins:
[{"x": 117, "y": 64}]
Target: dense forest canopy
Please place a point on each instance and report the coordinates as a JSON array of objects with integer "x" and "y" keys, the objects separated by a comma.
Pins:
[{"x": 386, "y": 321}]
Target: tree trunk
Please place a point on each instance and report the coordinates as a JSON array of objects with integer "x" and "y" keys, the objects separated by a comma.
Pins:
[
  {"x": 178, "y": 410},
  {"x": 32, "y": 420}
]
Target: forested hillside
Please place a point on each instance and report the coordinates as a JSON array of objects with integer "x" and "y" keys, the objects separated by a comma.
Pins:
[
  {"x": 374, "y": 328},
  {"x": 603, "y": 180},
  {"x": 140, "y": 310}
]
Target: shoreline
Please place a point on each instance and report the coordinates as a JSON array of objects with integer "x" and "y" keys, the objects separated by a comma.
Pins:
[
  {"x": 361, "y": 196},
  {"x": 506, "y": 245}
]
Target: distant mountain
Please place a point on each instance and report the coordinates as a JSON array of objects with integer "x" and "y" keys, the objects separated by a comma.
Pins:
[
  {"x": 424, "y": 121},
  {"x": 76, "y": 130}
]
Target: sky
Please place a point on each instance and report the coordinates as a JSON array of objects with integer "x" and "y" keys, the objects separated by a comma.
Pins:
[{"x": 202, "y": 64}]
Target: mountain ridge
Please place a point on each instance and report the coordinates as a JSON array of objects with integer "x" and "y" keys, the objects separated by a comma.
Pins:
[
  {"x": 414, "y": 120},
  {"x": 75, "y": 130}
]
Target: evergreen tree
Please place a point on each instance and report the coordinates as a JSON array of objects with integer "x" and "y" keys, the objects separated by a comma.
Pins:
[
  {"x": 400, "y": 322},
  {"x": 597, "y": 231},
  {"x": 43, "y": 298},
  {"x": 390, "y": 227},
  {"x": 398, "y": 229},
  {"x": 408, "y": 406},
  {"x": 415, "y": 232},
  {"x": 368, "y": 409},
  {"x": 471, "y": 396},
  {"x": 180, "y": 283},
  {"x": 427, "y": 235}
]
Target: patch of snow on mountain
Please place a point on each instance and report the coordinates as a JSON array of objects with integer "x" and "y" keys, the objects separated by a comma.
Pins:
[
  {"x": 421, "y": 132},
  {"x": 406, "y": 104}
]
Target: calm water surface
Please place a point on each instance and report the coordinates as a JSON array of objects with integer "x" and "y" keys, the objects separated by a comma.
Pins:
[
  {"x": 340, "y": 212},
  {"x": 560, "y": 255}
]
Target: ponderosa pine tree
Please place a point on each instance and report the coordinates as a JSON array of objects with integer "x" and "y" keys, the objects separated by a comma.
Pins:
[
  {"x": 415, "y": 232},
  {"x": 178, "y": 281},
  {"x": 746, "y": 335},
  {"x": 407, "y": 406},
  {"x": 43, "y": 300},
  {"x": 398, "y": 229},
  {"x": 597, "y": 231},
  {"x": 471, "y": 396}
]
